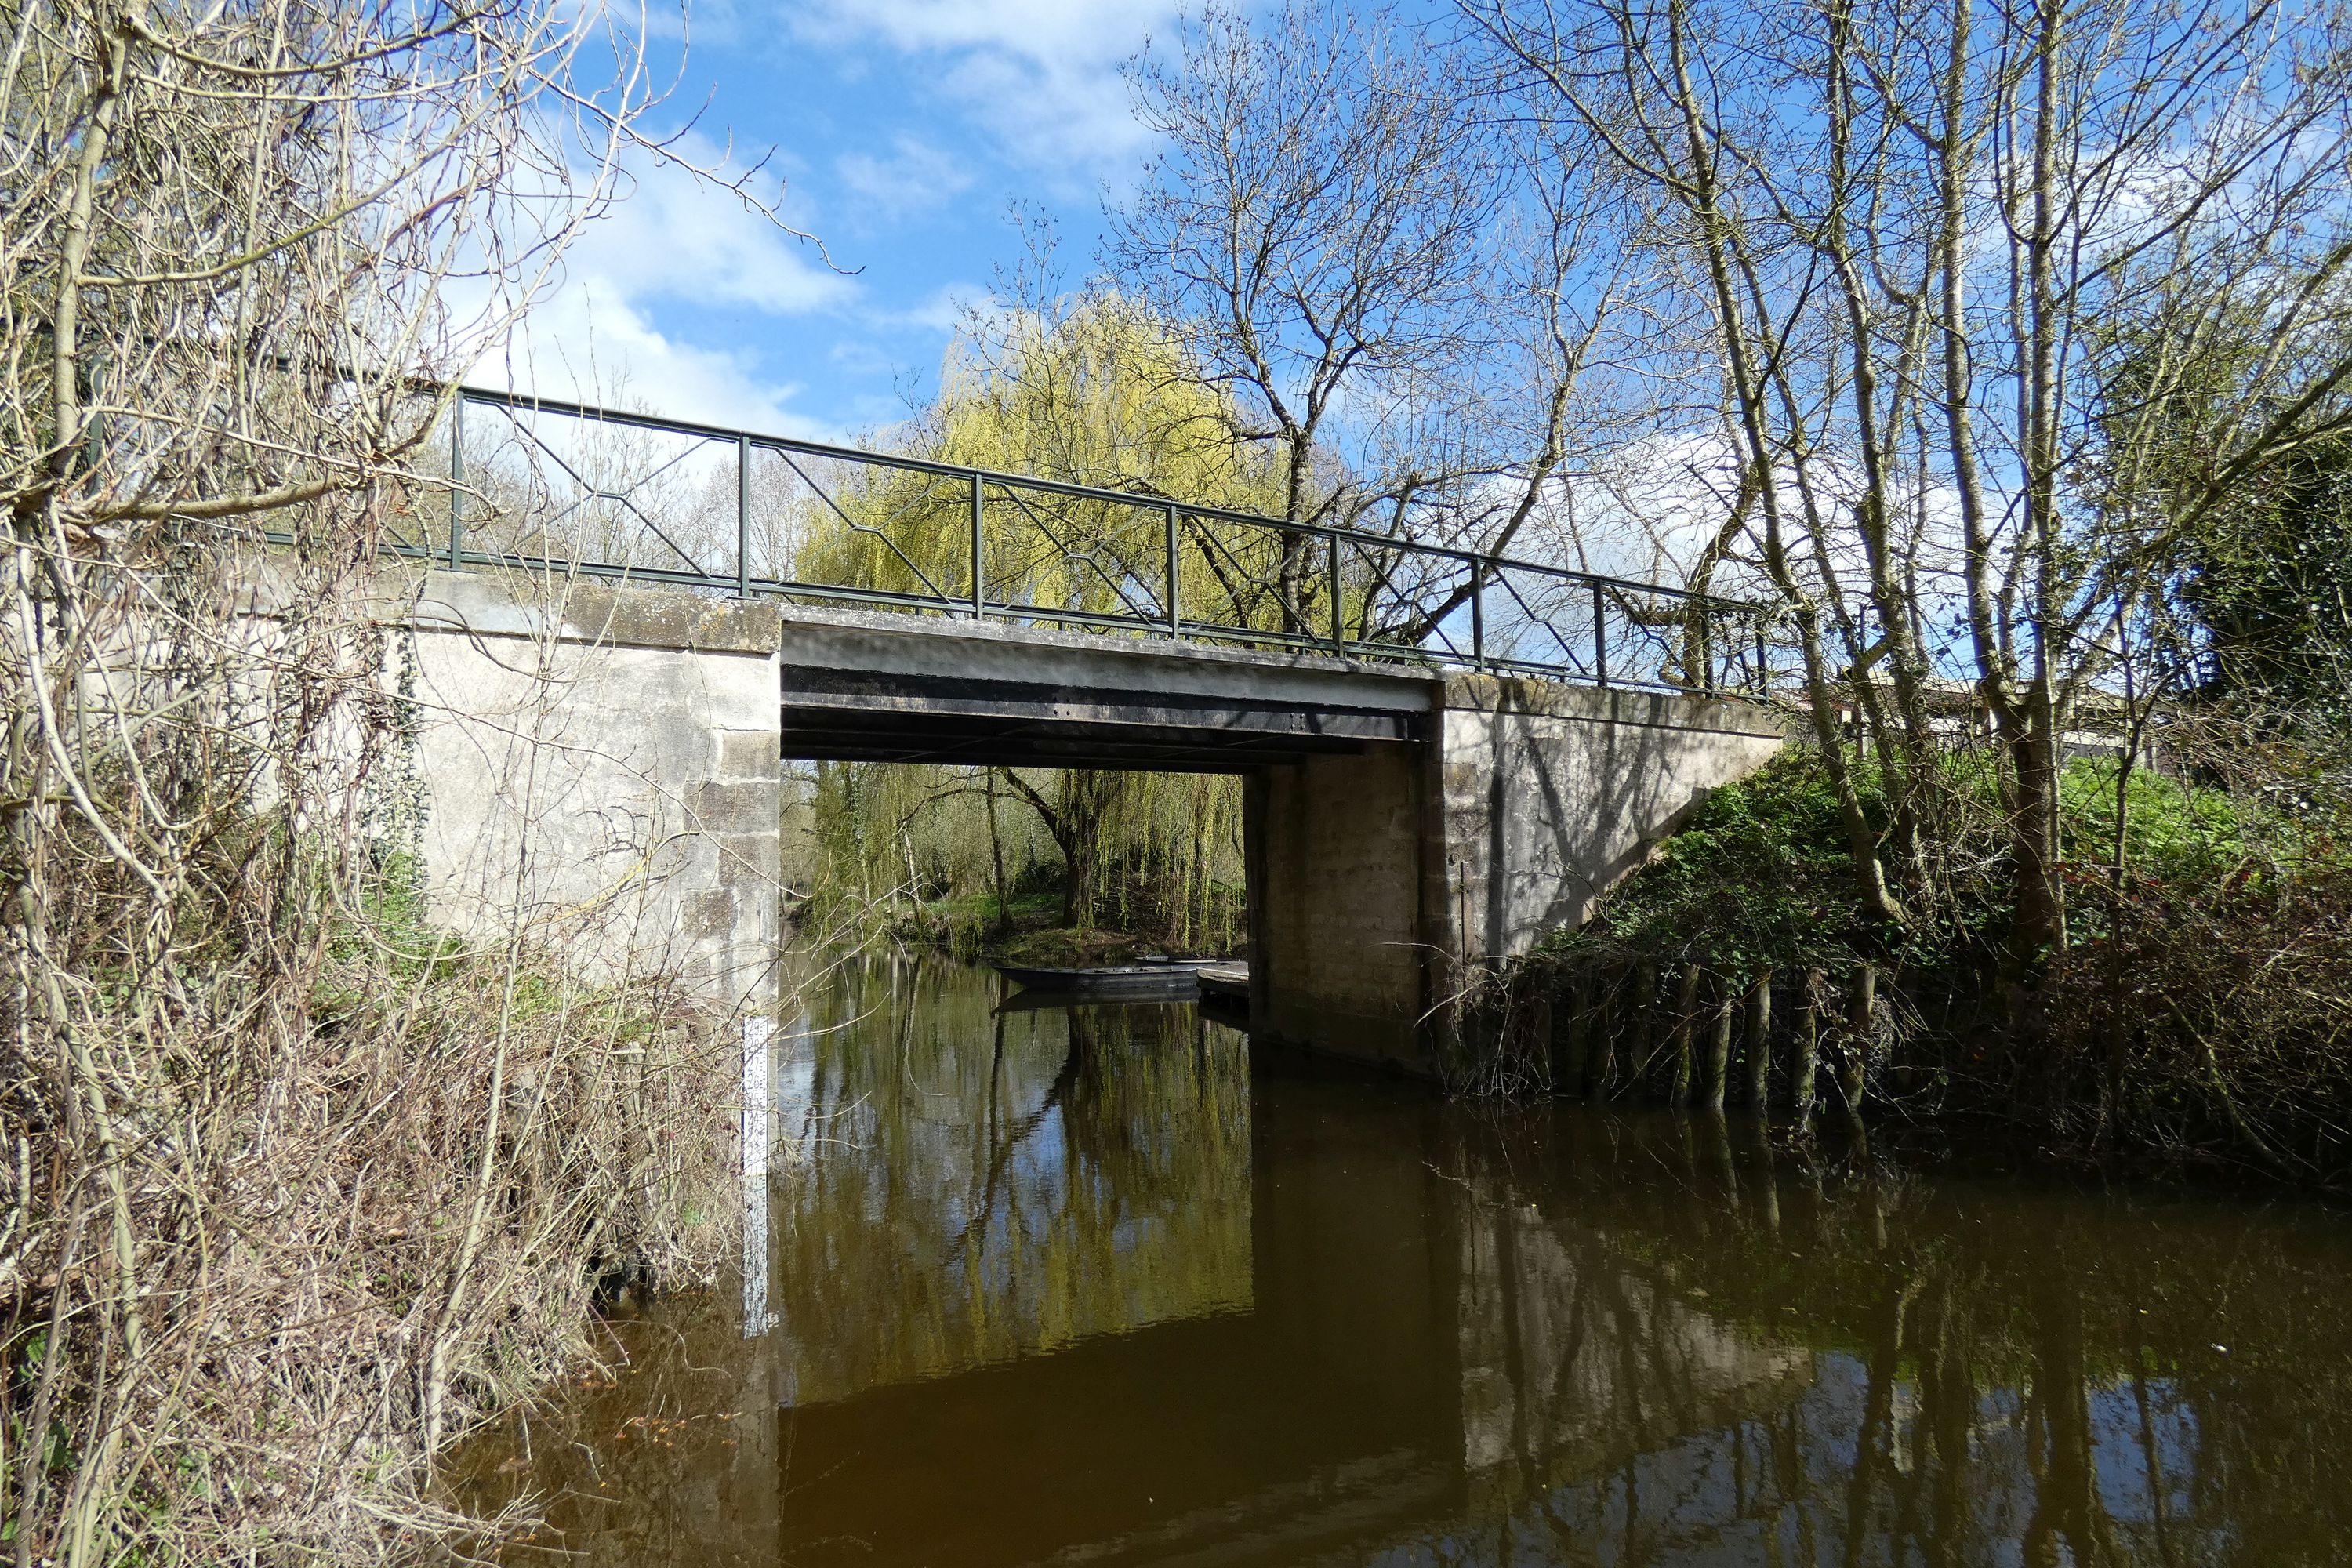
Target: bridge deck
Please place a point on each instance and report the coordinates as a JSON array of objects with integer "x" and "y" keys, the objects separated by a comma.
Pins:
[{"x": 885, "y": 688}]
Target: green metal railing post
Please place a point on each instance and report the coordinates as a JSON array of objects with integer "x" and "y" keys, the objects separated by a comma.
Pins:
[
  {"x": 1175, "y": 605},
  {"x": 1763, "y": 676},
  {"x": 978, "y": 546},
  {"x": 1478, "y": 614},
  {"x": 1339, "y": 613},
  {"x": 743, "y": 517},
  {"x": 1600, "y": 636},
  {"x": 456, "y": 479}
]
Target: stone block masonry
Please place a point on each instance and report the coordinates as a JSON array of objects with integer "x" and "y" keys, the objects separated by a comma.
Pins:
[
  {"x": 1384, "y": 883},
  {"x": 600, "y": 770}
]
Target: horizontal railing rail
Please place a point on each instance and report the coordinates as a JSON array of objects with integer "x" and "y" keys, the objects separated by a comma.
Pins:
[{"x": 556, "y": 485}]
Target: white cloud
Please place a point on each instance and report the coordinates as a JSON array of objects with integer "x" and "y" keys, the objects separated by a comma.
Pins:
[
  {"x": 914, "y": 177},
  {"x": 1651, "y": 512},
  {"x": 1043, "y": 75},
  {"x": 593, "y": 334},
  {"x": 942, "y": 311},
  {"x": 672, "y": 235},
  {"x": 591, "y": 344},
  {"x": 1091, "y": 28},
  {"x": 1652, "y": 508},
  {"x": 862, "y": 356}
]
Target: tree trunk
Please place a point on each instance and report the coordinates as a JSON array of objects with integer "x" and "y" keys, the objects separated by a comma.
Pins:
[
  {"x": 1079, "y": 888},
  {"x": 1074, "y": 818},
  {"x": 996, "y": 857},
  {"x": 1853, "y": 1070},
  {"x": 1686, "y": 1017},
  {"x": 1718, "y": 1054},
  {"x": 1600, "y": 1034},
  {"x": 1759, "y": 1038},
  {"x": 2039, "y": 931},
  {"x": 1807, "y": 1044},
  {"x": 1569, "y": 1025},
  {"x": 1638, "y": 1023}
]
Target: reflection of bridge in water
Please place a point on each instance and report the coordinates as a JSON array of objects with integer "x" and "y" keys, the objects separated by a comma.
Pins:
[
  {"x": 1101, "y": 1288},
  {"x": 1177, "y": 1310}
]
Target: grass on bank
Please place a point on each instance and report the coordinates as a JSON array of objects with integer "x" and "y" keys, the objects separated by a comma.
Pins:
[
  {"x": 1759, "y": 877},
  {"x": 2203, "y": 1008}
]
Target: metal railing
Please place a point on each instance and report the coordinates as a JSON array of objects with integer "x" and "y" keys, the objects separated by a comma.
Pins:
[{"x": 540, "y": 483}]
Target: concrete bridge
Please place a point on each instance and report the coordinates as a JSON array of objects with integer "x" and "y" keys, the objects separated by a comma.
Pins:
[{"x": 602, "y": 760}]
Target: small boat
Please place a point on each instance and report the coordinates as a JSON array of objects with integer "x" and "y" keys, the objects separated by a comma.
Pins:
[
  {"x": 1169, "y": 979},
  {"x": 1227, "y": 980}
]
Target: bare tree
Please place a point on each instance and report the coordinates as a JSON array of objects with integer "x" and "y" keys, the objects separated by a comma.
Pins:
[
  {"x": 1316, "y": 223},
  {"x": 1924, "y": 237},
  {"x": 246, "y": 243}
]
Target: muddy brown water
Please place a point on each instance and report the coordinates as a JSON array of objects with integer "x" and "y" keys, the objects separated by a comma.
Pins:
[{"x": 1103, "y": 1286}]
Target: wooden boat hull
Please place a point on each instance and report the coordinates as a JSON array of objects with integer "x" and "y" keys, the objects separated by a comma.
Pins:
[{"x": 1230, "y": 980}]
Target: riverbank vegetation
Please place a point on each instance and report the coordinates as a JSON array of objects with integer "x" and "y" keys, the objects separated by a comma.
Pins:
[
  {"x": 358, "y": 1197},
  {"x": 292, "y": 1188},
  {"x": 2199, "y": 1012}
]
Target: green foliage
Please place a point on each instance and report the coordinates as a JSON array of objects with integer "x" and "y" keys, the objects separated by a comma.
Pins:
[
  {"x": 1101, "y": 395},
  {"x": 2272, "y": 582},
  {"x": 2259, "y": 579},
  {"x": 392, "y": 936},
  {"x": 1758, "y": 877},
  {"x": 2172, "y": 832},
  {"x": 907, "y": 851}
]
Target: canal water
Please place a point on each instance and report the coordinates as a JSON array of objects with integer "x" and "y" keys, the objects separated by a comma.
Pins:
[{"x": 1105, "y": 1286}]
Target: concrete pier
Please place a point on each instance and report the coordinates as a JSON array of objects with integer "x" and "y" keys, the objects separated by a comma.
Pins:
[
  {"x": 1382, "y": 883},
  {"x": 601, "y": 766}
]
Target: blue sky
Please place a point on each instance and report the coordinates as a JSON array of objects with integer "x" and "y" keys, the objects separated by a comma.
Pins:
[{"x": 905, "y": 131}]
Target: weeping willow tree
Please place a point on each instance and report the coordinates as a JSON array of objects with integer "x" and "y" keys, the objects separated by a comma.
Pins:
[
  {"x": 1097, "y": 393},
  {"x": 1151, "y": 854}
]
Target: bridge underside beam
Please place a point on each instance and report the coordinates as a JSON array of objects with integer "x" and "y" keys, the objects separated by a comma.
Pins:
[
  {"x": 827, "y": 716},
  {"x": 912, "y": 691},
  {"x": 817, "y": 734}
]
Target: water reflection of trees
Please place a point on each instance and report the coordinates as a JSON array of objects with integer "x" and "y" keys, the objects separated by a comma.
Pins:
[
  {"x": 1555, "y": 1335},
  {"x": 1680, "y": 1349},
  {"x": 1088, "y": 1173}
]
